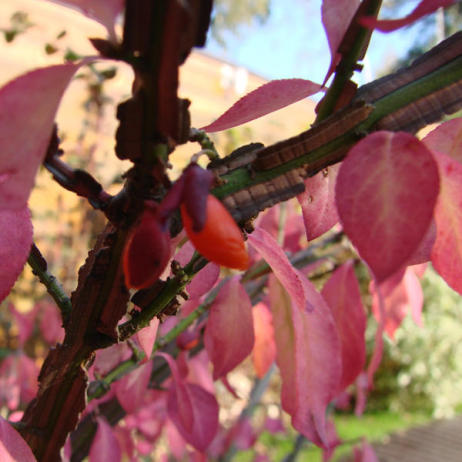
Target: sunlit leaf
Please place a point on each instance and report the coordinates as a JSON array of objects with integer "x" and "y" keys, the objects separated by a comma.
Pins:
[
  {"x": 268, "y": 98},
  {"x": 229, "y": 335},
  {"x": 15, "y": 244},
  {"x": 424, "y": 8},
  {"x": 290, "y": 278},
  {"x": 342, "y": 294},
  {"x": 447, "y": 138},
  {"x": 103, "y": 11},
  {"x": 386, "y": 192},
  {"x": 308, "y": 356},
  {"x": 29, "y": 105},
  {"x": 318, "y": 203},
  {"x": 447, "y": 250},
  {"x": 264, "y": 350}
]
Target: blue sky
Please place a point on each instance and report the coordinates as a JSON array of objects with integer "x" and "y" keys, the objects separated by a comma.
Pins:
[{"x": 292, "y": 43}]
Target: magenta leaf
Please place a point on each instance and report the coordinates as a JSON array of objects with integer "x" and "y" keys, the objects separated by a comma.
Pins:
[
  {"x": 51, "y": 324},
  {"x": 147, "y": 336},
  {"x": 402, "y": 294},
  {"x": 25, "y": 322},
  {"x": 446, "y": 254},
  {"x": 424, "y": 8},
  {"x": 105, "y": 445},
  {"x": 193, "y": 410},
  {"x": 290, "y": 278},
  {"x": 342, "y": 295},
  {"x": 203, "y": 281},
  {"x": 103, "y": 11},
  {"x": 336, "y": 18},
  {"x": 15, "y": 244},
  {"x": 264, "y": 350},
  {"x": 12, "y": 446},
  {"x": 229, "y": 335},
  {"x": 386, "y": 192},
  {"x": 268, "y": 98},
  {"x": 318, "y": 202},
  {"x": 24, "y": 139},
  {"x": 131, "y": 390},
  {"x": 447, "y": 138},
  {"x": 308, "y": 356}
]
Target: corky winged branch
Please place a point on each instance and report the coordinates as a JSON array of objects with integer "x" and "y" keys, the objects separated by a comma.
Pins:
[{"x": 407, "y": 100}]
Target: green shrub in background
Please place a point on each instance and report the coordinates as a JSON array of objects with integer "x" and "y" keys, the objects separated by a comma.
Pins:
[{"x": 421, "y": 370}]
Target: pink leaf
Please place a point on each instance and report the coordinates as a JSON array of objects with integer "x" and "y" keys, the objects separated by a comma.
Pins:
[
  {"x": 131, "y": 390},
  {"x": 401, "y": 293},
  {"x": 193, "y": 410},
  {"x": 203, "y": 281},
  {"x": 447, "y": 250},
  {"x": 318, "y": 202},
  {"x": 24, "y": 140},
  {"x": 308, "y": 356},
  {"x": 268, "y": 98},
  {"x": 264, "y": 350},
  {"x": 424, "y": 8},
  {"x": 447, "y": 138},
  {"x": 25, "y": 323},
  {"x": 103, "y": 11},
  {"x": 147, "y": 336},
  {"x": 51, "y": 323},
  {"x": 290, "y": 278},
  {"x": 12, "y": 446},
  {"x": 229, "y": 336},
  {"x": 15, "y": 244},
  {"x": 105, "y": 445},
  {"x": 336, "y": 18},
  {"x": 386, "y": 191},
  {"x": 342, "y": 294}
]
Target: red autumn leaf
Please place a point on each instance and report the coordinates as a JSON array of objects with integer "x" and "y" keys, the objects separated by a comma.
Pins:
[
  {"x": 103, "y": 11},
  {"x": 264, "y": 350},
  {"x": 402, "y": 294},
  {"x": 147, "y": 250},
  {"x": 447, "y": 251},
  {"x": 12, "y": 446},
  {"x": 25, "y": 323},
  {"x": 290, "y": 278},
  {"x": 447, "y": 138},
  {"x": 24, "y": 140},
  {"x": 386, "y": 192},
  {"x": 131, "y": 389},
  {"x": 105, "y": 445},
  {"x": 336, "y": 18},
  {"x": 203, "y": 281},
  {"x": 229, "y": 336},
  {"x": 220, "y": 240},
  {"x": 193, "y": 410},
  {"x": 147, "y": 336},
  {"x": 342, "y": 295},
  {"x": 424, "y": 8},
  {"x": 308, "y": 356},
  {"x": 15, "y": 244},
  {"x": 268, "y": 98},
  {"x": 51, "y": 324},
  {"x": 318, "y": 203}
]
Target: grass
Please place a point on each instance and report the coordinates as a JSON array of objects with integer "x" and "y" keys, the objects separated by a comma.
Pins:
[{"x": 351, "y": 429}]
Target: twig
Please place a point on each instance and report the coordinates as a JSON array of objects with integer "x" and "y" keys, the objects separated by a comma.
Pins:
[{"x": 39, "y": 267}]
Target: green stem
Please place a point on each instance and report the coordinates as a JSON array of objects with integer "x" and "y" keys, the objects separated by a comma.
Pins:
[
  {"x": 39, "y": 267},
  {"x": 347, "y": 65}
]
